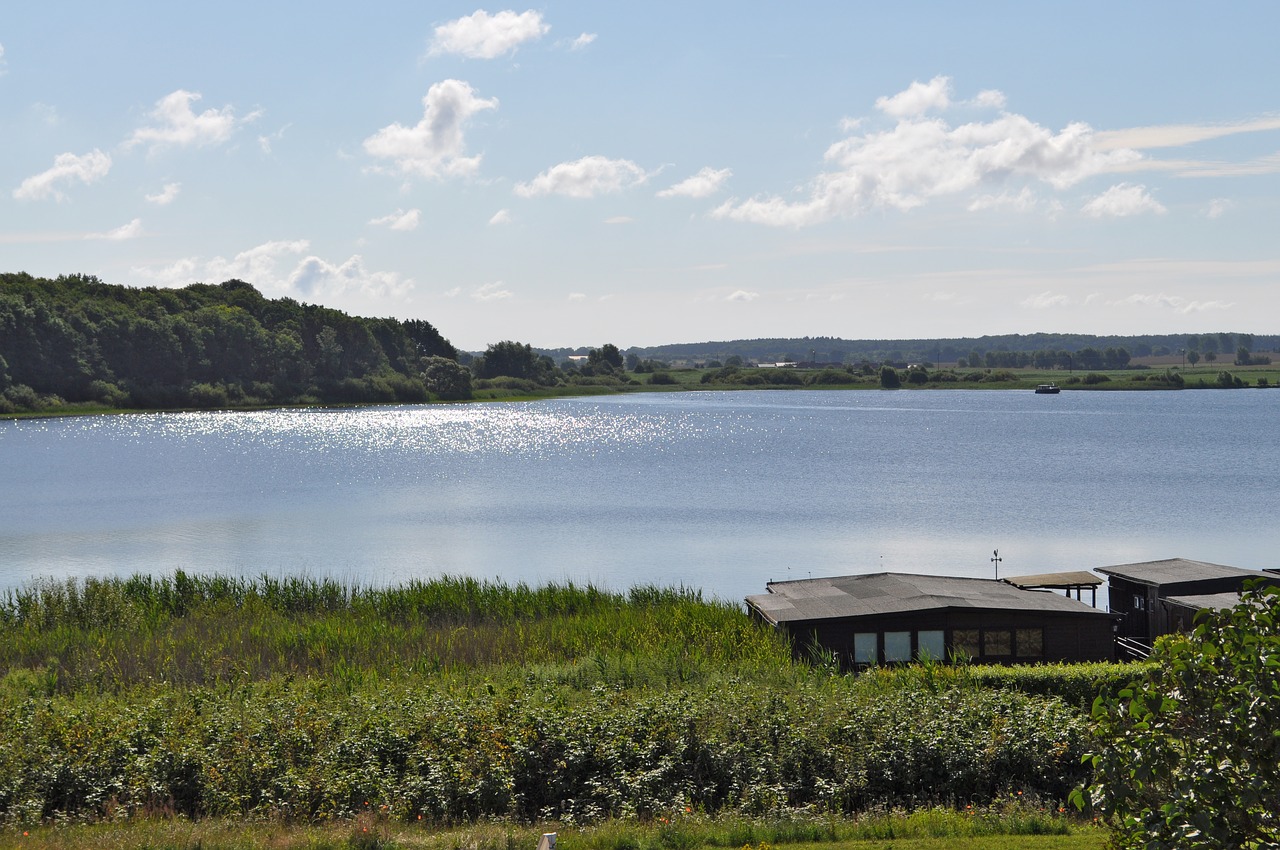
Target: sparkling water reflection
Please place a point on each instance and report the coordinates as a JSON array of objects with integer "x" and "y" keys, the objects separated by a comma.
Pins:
[{"x": 721, "y": 491}]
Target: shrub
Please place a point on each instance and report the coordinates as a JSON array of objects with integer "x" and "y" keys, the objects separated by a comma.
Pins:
[
  {"x": 663, "y": 378},
  {"x": 1190, "y": 755},
  {"x": 1095, "y": 378}
]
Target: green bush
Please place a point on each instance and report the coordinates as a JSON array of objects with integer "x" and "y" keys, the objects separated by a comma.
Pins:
[{"x": 1189, "y": 757}]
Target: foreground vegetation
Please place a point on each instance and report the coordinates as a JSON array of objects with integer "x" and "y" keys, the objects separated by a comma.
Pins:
[
  {"x": 193, "y": 711},
  {"x": 460, "y": 702}
]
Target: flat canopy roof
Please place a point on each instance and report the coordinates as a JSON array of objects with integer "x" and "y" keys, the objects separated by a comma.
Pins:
[
  {"x": 1174, "y": 570},
  {"x": 1056, "y": 581},
  {"x": 897, "y": 593}
]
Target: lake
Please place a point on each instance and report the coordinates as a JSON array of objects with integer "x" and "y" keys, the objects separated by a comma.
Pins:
[{"x": 718, "y": 491}]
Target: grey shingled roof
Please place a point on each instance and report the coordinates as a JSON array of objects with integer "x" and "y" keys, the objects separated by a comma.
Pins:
[
  {"x": 1174, "y": 570},
  {"x": 896, "y": 593},
  {"x": 1216, "y": 601}
]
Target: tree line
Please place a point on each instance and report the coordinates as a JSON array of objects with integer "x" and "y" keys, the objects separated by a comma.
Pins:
[{"x": 76, "y": 339}]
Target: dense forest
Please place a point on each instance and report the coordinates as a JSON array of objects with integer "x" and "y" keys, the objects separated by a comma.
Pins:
[
  {"x": 1003, "y": 349},
  {"x": 77, "y": 339}
]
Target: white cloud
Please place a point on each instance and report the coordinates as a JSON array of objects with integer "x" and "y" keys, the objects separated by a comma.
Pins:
[
  {"x": 921, "y": 159},
  {"x": 452, "y": 293},
  {"x": 318, "y": 278},
  {"x": 1024, "y": 201},
  {"x": 742, "y": 295},
  {"x": 1046, "y": 300},
  {"x": 166, "y": 195},
  {"x": 1122, "y": 200},
  {"x": 400, "y": 220},
  {"x": 705, "y": 183},
  {"x": 1176, "y": 303},
  {"x": 178, "y": 125},
  {"x": 582, "y": 41},
  {"x": 1176, "y": 135},
  {"x": 273, "y": 269},
  {"x": 584, "y": 178},
  {"x": 434, "y": 147},
  {"x": 918, "y": 98},
  {"x": 491, "y": 292},
  {"x": 4, "y": 66},
  {"x": 989, "y": 99},
  {"x": 67, "y": 168},
  {"x": 501, "y": 217},
  {"x": 265, "y": 143},
  {"x": 132, "y": 230},
  {"x": 577, "y": 296},
  {"x": 484, "y": 36},
  {"x": 47, "y": 114},
  {"x": 620, "y": 219},
  {"x": 1218, "y": 207}
]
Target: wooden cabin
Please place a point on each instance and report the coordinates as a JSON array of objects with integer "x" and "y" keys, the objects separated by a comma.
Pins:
[
  {"x": 887, "y": 618},
  {"x": 1138, "y": 592}
]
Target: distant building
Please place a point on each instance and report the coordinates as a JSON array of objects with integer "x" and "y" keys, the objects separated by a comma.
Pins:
[
  {"x": 886, "y": 618},
  {"x": 1144, "y": 594}
]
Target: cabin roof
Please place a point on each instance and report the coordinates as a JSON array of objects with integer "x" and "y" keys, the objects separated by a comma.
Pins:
[
  {"x": 1056, "y": 581},
  {"x": 898, "y": 593},
  {"x": 1175, "y": 570},
  {"x": 1216, "y": 601}
]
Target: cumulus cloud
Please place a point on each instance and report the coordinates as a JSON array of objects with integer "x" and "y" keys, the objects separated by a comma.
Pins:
[
  {"x": 1218, "y": 207},
  {"x": 67, "y": 168},
  {"x": 132, "y": 230},
  {"x": 917, "y": 99},
  {"x": 923, "y": 158},
  {"x": 1023, "y": 201},
  {"x": 491, "y": 292},
  {"x": 166, "y": 195},
  {"x": 484, "y": 36},
  {"x": 4, "y": 66},
  {"x": 400, "y": 220},
  {"x": 584, "y": 178},
  {"x": 1123, "y": 200},
  {"x": 1176, "y": 303},
  {"x": 501, "y": 217},
  {"x": 434, "y": 147},
  {"x": 283, "y": 267},
  {"x": 577, "y": 296},
  {"x": 582, "y": 41},
  {"x": 742, "y": 295},
  {"x": 176, "y": 124},
  {"x": 705, "y": 183},
  {"x": 1046, "y": 300}
]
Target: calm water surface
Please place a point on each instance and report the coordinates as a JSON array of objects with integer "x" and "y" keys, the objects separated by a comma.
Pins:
[{"x": 720, "y": 491}]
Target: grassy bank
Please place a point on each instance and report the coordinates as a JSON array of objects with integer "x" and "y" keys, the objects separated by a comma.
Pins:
[{"x": 456, "y": 702}]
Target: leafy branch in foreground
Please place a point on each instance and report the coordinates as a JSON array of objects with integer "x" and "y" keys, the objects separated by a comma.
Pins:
[{"x": 1190, "y": 756}]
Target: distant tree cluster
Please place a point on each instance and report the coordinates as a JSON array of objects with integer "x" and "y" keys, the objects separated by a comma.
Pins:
[
  {"x": 77, "y": 339},
  {"x": 1085, "y": 359}
]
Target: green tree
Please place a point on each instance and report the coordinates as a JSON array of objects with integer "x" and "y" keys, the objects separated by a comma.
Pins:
[
  {"x": 1190, "y": 756},
  {"x": 889, "y": 378},
  {"x": 1193, "y": 357},
  {"x": 607, "y": 353},
  {"x": 446, "y": 378},
  {"x": 512, "y": 359}
]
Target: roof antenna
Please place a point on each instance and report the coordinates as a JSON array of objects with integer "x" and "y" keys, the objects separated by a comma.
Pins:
[{"x": 996, "y": 559}]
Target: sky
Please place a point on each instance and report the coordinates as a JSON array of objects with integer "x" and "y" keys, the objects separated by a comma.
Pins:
[{"x": 579, "y": 173}]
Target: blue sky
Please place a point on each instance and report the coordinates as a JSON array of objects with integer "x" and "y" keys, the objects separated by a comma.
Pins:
[{"x": 581, "y": 173}]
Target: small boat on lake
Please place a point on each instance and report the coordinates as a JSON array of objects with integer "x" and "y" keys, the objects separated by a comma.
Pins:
[{"x": 1048, "y": 389}]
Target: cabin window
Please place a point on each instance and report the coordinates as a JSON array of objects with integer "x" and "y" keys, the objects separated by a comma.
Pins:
[
  {"x": 865, "y": 650},
  {"x": 1030, "y": 643},
  {"x": 932, "y": 644},
  {"x": 997, "y": 642},
  {"x": 897, "y": 646},
  {"x": 1139, "y": 602},
  {"x": 964, "y": 642}
]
